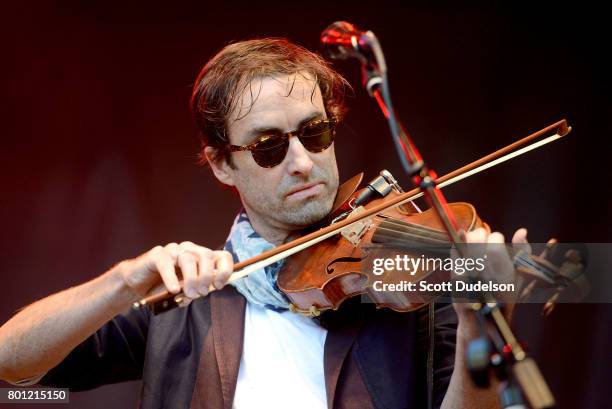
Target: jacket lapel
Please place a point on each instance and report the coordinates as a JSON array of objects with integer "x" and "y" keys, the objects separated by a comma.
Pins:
[
  {"x": 337, "y": 346},
  {"x": 227, "y": 313}
]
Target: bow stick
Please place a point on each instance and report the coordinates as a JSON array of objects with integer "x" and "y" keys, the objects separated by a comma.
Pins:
[{"x": 283, "y": 251}]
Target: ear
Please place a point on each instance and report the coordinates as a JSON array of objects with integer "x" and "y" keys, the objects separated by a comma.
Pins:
[{"x": 219, "y": 166}]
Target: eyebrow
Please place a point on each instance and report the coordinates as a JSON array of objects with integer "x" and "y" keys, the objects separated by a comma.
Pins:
[{"x": 262, "y": 130}]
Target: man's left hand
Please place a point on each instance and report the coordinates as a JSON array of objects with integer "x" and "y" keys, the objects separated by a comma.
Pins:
[{"x": 499, "y": 264}]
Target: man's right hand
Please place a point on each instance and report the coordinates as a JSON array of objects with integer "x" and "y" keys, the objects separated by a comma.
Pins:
[
  {"x": 199, "y": 267},
  {"x": 41, "y": 335}
]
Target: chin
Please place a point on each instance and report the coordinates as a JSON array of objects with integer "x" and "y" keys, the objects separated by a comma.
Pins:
[{"x": 309, "y": 213}]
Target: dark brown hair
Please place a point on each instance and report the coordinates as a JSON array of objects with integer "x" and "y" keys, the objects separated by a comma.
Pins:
[{"x": 225, "y": 77}]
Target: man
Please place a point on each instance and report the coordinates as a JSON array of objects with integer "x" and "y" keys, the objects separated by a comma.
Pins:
[{"x": 267, "y": 110}]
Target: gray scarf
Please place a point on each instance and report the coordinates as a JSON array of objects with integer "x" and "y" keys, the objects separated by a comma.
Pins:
[{"x": 259, "y": 287}]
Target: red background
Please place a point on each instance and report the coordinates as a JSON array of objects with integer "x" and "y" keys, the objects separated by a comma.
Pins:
[{"x": 99, "y": 147}]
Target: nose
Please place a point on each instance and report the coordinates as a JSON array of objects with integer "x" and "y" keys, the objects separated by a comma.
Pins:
[{"x": 298, "y": 158}]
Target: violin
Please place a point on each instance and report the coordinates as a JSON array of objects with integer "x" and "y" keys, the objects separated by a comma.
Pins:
[
  {"x": 321, "y": 277},
  {"x": 322, "y": 268}
]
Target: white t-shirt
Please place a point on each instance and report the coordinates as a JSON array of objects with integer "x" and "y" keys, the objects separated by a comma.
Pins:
[{"x": 282, "y": 362}]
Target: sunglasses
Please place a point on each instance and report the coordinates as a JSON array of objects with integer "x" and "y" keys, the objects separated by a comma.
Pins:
[{"x": 270, "y": 150}]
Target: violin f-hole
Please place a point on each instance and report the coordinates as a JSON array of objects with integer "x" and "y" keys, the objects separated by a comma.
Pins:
[{"x": 330, "y": 267}]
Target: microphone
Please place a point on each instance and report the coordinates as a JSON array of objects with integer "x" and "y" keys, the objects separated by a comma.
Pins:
[
  {"x": 343, "y": 40},
  {"x": 378, "y": 187}
]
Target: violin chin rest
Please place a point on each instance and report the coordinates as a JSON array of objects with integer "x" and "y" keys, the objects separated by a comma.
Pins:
[{"x": 345, "y": 191}]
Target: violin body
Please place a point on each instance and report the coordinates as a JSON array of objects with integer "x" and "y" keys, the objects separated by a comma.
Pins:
[{"x": 324, "y": 275}]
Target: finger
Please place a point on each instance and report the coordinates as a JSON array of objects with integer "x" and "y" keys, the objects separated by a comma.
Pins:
[
  {"x": 224, "y": 266},
  {"x": 165, "y": 267},
  {"x": 188, "y": 264},
  {"x": 496, "y": 251},
  {"x": 519, "y": 241},
  {"x": 501, "y": 266},
  {"x": 207, "y": 270},
  {"x": 520, "y": 236},
  {"x": 495, "y": 237},
  {"x": 185, "y": 301},
  {"x": 206, "y": 265},
  {"x": 474, "y": 238},
  {"x": 478, "y": 235},
  {"x": 173, "y": 249}
]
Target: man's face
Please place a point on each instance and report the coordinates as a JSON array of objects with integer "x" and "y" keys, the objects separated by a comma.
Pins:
[{"x": 300, "y": 190}]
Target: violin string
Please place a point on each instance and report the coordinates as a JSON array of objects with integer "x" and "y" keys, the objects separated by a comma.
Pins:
[
  {"x": 395, "y": 228},
  {"x": 398, "y": 232},
  {"x": 386, "y": 235}
]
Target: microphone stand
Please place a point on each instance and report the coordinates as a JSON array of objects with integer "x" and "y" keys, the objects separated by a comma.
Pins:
[{"x": 519, "y": 373}]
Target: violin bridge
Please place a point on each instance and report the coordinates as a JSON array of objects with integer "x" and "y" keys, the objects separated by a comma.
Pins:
[{"x": 355, "y": 231}]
